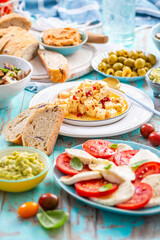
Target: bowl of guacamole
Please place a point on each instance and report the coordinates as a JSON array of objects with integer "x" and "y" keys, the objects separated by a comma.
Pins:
[
  {"x": 22, "y": 168},
  {"x": 153, "y": 80}
]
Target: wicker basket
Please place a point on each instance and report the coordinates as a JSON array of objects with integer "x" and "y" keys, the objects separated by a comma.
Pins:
[{"x": 8, "y": 7}]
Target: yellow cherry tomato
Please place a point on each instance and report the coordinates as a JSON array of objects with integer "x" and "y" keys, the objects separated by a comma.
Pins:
[{"x": 28, "y": 209}]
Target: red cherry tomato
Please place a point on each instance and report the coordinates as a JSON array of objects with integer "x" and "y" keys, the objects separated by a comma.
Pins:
[
  {"x": 154, "y": 138},
  {"x": 122, "y": 158},
  {"x": 63, "y": 164},
  {"x": 146, "y": 129},
  {"x": 146, "y": 169},
  {"x": 48, "y": 201},
  {"x": 99, "y": 148},
  {"x": 142, "y": 195},
  {"x": 90, "y": 188},
  {"x": 28, "y": 209}
]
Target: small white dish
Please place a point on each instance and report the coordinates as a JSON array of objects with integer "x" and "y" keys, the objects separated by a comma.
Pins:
[
  {"x": 133, "y": 120},
  {"x": 96, "y": 122},
  {"x": 97, "y": 59},
  {"x": 8, "y": 91}
]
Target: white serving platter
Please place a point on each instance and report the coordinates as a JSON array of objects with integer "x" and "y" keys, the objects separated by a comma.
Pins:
[{"x": 133, "y": 120}]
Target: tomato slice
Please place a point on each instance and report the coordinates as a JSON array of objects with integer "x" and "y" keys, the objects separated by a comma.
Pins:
[
  {"x": 63, "y": 164},
  {"x": 90, "y": 188},
  {"x": 142, "y": 195},
  {"x": 146, "y": 169},
  {"x": 99, "y": 148},
  {"x": 122, "y": 158}
]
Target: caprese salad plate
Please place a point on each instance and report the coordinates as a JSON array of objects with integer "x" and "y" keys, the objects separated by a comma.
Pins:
[
  {"x": 113, "y": 175},
  {"x": 136, "y": 116}
]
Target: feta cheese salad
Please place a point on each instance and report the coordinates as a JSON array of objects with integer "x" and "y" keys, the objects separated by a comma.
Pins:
[{"x": 112, "y": 174}]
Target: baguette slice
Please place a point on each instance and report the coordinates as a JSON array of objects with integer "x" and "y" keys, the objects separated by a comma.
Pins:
[
  {"x": 15, "y": 19},
  {"x": 13, "y": 131},
  {"x": 42, "y": 128},
  {"x": 55, "y": 64}
]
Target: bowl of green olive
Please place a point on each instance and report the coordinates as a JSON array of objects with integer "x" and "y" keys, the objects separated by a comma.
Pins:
[{"x": 126, "y": 65}]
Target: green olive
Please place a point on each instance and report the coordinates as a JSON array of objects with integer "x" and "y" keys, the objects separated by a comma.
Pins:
[
  {"x": 122, "y": 53},
  {"x": 141, "y": 71},
  {"x": 139, "y": 63},
  {"x": 112, "y": 52},
  {"x": 112, "y": 59},
  {"x": 133, "y": 54},
  {"x": 110, "y": 71},
  {"x": 142, "y": 55},
  {"x": 151, "y": 59},
  {"x": 148, "y": 65},
  {"x": 146, "y": 68},
  {"x": 117, "y": 66},
  {"x": 121, "y": 59},
  {"x": 102, "y": 67},
  {"x": 105, "y": 60},
  {"x": 134, "y": 74},
  {"x": 118, "y": 73},
  {"x": 126, "y": 72},
  {"x": 129, "y": 62}
]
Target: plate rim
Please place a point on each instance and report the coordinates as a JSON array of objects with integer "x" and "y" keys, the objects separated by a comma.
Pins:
[{"x": 147, "y": 212}]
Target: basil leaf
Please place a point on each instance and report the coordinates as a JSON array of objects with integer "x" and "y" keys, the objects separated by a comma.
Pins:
[
  {"x": 52, "y": 219},
  {"x": 105, "y": 187},
  {"x": 137, "y": 164},
  {"x": 108, "y": 166},
  {"x": 114, "y": 145},
  {"x": 76, "y": 164}
]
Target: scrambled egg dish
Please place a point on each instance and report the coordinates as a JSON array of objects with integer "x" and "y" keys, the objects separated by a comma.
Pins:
[{"x": 91, "y": 101}]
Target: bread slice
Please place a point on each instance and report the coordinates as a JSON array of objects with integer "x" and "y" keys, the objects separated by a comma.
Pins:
[
  {"x": 55, "y": 64},
  {"x": 13, "y": 131},
  {"x": 15, "y": 19},
  {"x": 42, "y": 128},
  {"x": 19, "y": 42}
]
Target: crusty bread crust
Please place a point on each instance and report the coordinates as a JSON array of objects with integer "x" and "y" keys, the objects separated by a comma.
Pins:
[
  {"x": 37, "y": 133},
  {"x": 15, "y": 19},
  {"x": 60, "y": 74},
  {"x": 14, "y": 129}
]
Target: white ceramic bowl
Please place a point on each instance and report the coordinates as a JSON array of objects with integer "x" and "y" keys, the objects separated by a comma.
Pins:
[
  {"x": 8, "y": 91},
  {"x": 97, "y": 122}
]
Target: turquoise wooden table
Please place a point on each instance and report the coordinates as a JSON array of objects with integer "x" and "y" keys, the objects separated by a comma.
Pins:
[{"x": 84, "y": 223}]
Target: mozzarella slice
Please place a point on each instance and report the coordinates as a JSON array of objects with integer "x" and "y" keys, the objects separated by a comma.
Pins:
[
  {"x": 124, "y": 192},
  {"x": 144, "y": 154},
  {"x": 99, "y": 164},
  {"x": 118, "y": 174},
  {"x": 69, "y": 180},
  {"x": 85, "y": 157},
  {"x": 154, "y": 181},
  {"x": 123, "y": 147}
]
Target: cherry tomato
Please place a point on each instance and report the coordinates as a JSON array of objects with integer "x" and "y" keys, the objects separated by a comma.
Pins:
[
  {"x": 99, "y": 148},
  {"x": 48, "y": 201},
  {"x": 146, "y": 129},
  {"x": 142, "y": 195},
  {"x": 122, "y": 158},
  {"x": 28, "y": 209},
  {"x": 90, "y": 188},
  {"x": 146, "y": 169},
  {"x": 63, "y": 164},
  {"x": 154, "y": 138},
  {"x": 6, "y": 9}
]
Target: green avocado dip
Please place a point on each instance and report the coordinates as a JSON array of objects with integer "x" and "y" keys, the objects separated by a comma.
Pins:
[
  {"x": 20, "y": 165},
  {"x": 155, "y": 75}
]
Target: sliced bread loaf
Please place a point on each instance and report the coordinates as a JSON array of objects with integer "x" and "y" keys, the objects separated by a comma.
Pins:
[
  {"x": 55, "y": 64},
  {"x": 15, "y": 19},
  {"x": 13, "y": 131},
  {"x": 42, "y": 128}
]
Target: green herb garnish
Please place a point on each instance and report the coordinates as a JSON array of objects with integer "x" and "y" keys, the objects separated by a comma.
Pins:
[
  {"x": 17, "y": 69},
  {"x": 11, "y": 74},
  {"x": 108, "y": 166},
  {"x": 114, "y": 145},
  {"x": 137, "y": 164},
  {"x": 4, "y": 70},
  {"x": 52, "y": 219},
  {"x": 105, "y": 187},
  {"x": 76, "y": 164}
]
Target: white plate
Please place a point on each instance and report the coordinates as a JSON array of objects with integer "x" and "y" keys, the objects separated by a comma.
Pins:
[
  {"x": 97, "y": 59},
  {"x": 134, "y": 119},
  {"x": 66, "y": 86}
]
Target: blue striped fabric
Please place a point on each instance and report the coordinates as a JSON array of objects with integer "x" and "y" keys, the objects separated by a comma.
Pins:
[{"x": 88, "y": 11}]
